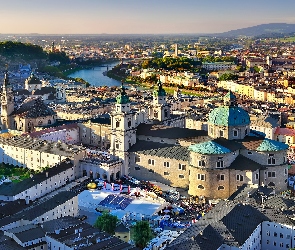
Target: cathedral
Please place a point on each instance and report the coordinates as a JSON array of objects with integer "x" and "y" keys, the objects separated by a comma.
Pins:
[
  {"x": 31, "y": 113},
  {"x": 213, "y": 163}
]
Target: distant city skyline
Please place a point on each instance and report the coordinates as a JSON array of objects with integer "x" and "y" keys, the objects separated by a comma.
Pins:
[{"x": 139, "y": 17}]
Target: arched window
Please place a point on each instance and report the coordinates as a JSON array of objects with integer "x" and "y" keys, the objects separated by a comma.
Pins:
[
  {"x": 165, "y": 113},
  {"x": 40, "y": 122},
  {"x": 201, "y": 187},
  {"x": 220, "y": 187}
]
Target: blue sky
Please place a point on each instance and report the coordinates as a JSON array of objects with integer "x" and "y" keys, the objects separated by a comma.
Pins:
[{"x": 139, "y": 16}]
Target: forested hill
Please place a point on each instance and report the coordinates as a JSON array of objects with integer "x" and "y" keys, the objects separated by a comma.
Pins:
[
  {"x": 22, "y": 50},
  {"x": 263, "y": 29}
]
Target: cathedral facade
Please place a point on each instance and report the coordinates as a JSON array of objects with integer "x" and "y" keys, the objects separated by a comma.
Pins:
[{"x": 213, "y": 163}]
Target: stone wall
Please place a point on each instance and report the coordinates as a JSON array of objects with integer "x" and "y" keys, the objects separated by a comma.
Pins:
[
  {"x": 211, "y": 160},
  {"x": 262, "y": 157},
  {"x": 228, "y": 132},
  {"x": 171, "y": 175},
  {"x": 218, "y": 183}
]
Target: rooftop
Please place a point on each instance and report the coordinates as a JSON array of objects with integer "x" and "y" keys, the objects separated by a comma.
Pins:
[
  {"x": 161, "y": 150},
  {"x": 168, "y": 132},
  {"x": 11, "y": 188},
  {"x": 209, "y": 147}
]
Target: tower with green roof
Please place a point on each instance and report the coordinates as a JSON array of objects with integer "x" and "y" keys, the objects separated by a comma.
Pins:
[
  {"x": 123, "y": 128},
  {"x": 160, "y": 109},
  {"x": 229, "y": 121}
]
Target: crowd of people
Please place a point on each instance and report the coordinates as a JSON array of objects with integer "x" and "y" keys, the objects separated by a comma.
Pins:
[{"x": 97, "y": 155}]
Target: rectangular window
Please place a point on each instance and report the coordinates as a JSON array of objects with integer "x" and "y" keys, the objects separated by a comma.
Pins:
[
  {"x": 182, "y": 167},
  {"x": 235, "y": 132},
  {"x": 271, "y": 174},
  {"x": 286, "y": 171},
  {"x": 240, "y": 177},
  {"x": 137, "y": 158},
  {"x": 271, "y": 161},
  {"x": 256, "y": 176},
  {"x": 221, "y": 177},
  {"x": 221, "y": 133},
  {"x": 202, "y": 163},
  {"x": 117, "y": 145},
  {"x": 166, "y": 173},
  {"x": 219, "y": 164},
  {"x": 181, "y": 176},
  {"x": 167, "y": 164},
  {"x": 201, "y": 177},
  {"x": 151, "y": 162},
  {"x": 137, "y": 168}
]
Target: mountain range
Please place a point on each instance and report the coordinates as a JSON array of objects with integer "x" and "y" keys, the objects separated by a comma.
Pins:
[{"x": 262, "y": 29}]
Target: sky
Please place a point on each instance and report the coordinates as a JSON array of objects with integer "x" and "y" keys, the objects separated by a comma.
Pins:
[{"x": 139, "y": 16}]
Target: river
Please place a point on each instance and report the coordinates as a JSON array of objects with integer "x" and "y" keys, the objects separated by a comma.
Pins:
[{"x": 95, "y": 75}]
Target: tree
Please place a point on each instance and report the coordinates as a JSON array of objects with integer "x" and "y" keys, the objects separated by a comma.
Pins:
[
  {"x": 228, "y": 77},
  {"x": 142, "y": 233},
  {"x": 87, "y": 84},
  {"x": 106, "y": 222}
]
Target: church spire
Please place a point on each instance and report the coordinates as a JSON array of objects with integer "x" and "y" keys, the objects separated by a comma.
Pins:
[
  {"x": 160, "y": 91},
  {"x": 230, "y": 99}
]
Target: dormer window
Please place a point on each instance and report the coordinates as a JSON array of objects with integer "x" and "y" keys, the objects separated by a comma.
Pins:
[
  {"x": 220, "y": 133},
  {"x": 117, "y": 124},
  {"x": 235, "y": 133}
]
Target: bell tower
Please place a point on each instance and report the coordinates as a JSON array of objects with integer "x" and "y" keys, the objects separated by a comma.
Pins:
[
  {"x": 160, "y": 109},
  {"x": 123, "y": 129},
  {"x": 7, "y": 104}
]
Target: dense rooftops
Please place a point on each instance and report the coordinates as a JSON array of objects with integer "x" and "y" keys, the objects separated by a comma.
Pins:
[
  {"x": 231, "y": 222},
  {"x": 42, "y": 146},
  {"x": 33, "y": 108}
]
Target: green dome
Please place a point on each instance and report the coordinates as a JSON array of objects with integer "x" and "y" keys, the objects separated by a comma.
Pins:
[
  {"x": 160, "y": 91},
  {"x": 122, "y": 98},
  {"x": 271, "y": 145},
  {"x": 209, "y": 148},
  {"x": 229, "y": 116}
]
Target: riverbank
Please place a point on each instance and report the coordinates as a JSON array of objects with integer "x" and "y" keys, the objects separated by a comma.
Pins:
[
  {"x": 90, "y": 66},
  {"x": 170, "y": 90}
]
